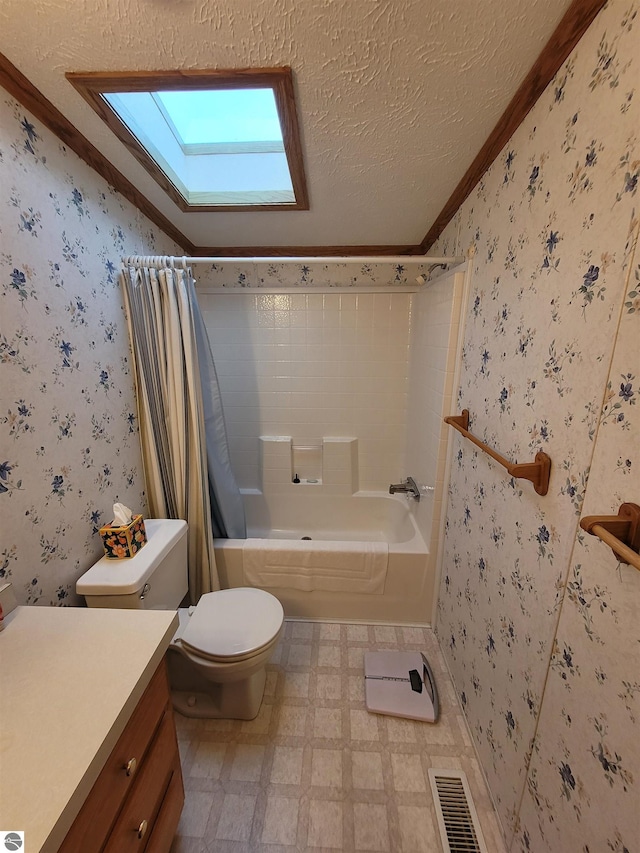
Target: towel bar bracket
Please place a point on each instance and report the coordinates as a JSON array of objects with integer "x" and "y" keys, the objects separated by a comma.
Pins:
[
  {"x": 538, "y": 472},
  {"x": 460, "y": 421},
  {"x": 621, "y": 532}
]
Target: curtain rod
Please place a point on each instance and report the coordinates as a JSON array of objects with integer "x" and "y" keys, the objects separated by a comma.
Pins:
[{"x": 168, "y": 260}]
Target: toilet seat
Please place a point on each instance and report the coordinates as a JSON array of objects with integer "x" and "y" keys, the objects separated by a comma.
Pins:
[{"x": 232, "y": 625}]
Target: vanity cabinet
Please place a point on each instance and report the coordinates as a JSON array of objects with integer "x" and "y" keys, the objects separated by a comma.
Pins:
[{"x": 135, "y": 803}]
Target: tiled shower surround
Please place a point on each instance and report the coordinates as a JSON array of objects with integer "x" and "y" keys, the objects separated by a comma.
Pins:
[
  {"x": 313, "y": 366},
  {"x": 369, "y": 366}
]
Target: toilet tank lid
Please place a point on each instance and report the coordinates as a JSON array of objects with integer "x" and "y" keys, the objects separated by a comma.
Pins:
[{"x": 123, "y": 577}]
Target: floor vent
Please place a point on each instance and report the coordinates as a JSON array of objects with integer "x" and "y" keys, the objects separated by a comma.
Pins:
[{"x": 457, "y": 816}]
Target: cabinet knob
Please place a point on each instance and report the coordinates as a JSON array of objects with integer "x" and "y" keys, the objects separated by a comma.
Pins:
[
  {"x": 142, "y": 829},
  {"x": 130, "y": 767}
]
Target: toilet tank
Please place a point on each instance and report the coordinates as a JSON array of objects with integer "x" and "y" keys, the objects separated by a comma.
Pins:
[{"x": 156, "y": 578}]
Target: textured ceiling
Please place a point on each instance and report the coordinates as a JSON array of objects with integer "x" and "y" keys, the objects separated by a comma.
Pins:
[{"x": 395, "y": 97}]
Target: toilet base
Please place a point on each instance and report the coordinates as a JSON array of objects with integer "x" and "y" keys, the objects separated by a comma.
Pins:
[{"x": 195, "y": 696}]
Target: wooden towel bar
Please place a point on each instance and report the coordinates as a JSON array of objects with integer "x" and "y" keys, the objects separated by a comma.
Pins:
[
  {"x": 620, "y": 532},
  {"x": 537, "y": 471}
]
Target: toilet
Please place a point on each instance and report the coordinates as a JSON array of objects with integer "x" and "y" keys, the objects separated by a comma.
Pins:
[{"x": 218, "y": 655}]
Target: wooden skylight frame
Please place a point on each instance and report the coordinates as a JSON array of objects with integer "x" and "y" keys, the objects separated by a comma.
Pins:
[{"x": 92, "y": 86}]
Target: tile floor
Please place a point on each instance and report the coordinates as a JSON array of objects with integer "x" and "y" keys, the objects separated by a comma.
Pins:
[{"x": 315, "y": 771}]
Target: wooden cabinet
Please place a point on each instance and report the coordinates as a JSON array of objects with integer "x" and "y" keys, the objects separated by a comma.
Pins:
[{"x": 136, "y": 801}]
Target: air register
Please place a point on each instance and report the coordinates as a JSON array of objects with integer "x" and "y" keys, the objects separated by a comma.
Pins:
[{"x": 400, "y": 684}]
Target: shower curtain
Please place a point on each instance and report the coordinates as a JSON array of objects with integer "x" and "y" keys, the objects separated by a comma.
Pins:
[{"x": 184, "y": 447}]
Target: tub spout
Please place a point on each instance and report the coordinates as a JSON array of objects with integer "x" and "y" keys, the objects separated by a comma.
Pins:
[{"x": 408, "y": 487}]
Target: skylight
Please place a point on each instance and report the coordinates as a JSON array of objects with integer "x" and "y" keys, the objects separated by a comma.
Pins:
[
  {"x": 222, "y": 115},
  {"x": 213, "y": 140}
]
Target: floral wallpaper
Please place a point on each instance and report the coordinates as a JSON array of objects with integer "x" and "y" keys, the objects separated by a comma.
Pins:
[
  {"x": 308, "y": 273},
  {"x": 586, "y": 757},
  {"x": 68, "y": 425},
  {"x": 554, "y": 223}
]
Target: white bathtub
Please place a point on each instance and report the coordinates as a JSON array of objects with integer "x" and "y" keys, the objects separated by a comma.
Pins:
[{"x": 363, "y": 517}]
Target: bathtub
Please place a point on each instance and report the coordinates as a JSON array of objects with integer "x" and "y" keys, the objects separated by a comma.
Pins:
[{"x": 363, "y": 517}]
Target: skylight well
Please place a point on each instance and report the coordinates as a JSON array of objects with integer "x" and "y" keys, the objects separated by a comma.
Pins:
[{"x": 213, "y": 140}]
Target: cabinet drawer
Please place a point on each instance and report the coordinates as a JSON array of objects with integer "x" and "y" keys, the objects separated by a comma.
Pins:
[
  {"x": 134, "y": 826},
  {"x": 101, "y": 808},
  {"x": 167, "y": 821}
]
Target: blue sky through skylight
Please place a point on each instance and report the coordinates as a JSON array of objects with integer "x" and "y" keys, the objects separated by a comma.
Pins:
[{"x": 223, "y": 115}]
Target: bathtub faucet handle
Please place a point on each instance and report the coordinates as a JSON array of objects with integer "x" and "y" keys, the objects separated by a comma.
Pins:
[{"x": 408, "y": 486}]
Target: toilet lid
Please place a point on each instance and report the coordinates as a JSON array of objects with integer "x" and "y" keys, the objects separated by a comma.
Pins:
[{"x": 233, "y": 622}]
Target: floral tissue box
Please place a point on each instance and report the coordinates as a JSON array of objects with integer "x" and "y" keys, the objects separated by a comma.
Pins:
[{"x": 125, "y": 541}]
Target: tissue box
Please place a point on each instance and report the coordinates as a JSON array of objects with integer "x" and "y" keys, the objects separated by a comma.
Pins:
[{"x": 125, "y": 541}]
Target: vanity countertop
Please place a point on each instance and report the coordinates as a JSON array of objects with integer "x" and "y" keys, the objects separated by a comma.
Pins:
[{"x": 70, "y": 677}]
